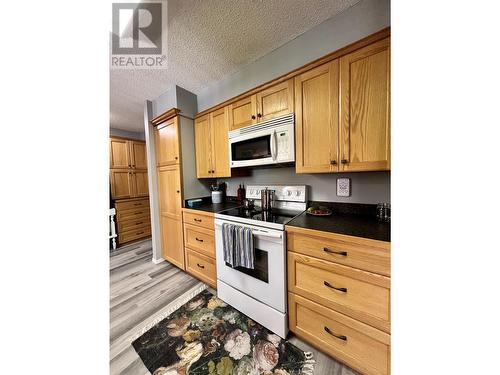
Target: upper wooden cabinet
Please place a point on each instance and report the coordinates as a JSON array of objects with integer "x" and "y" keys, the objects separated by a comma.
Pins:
[
  {"x": 351, "y": 136},
  {"x": 212, "y": 147},
  {"x": 275, "y": 101},
  {"x": 167, "y": 142},
  {"x": 272, "y": 102},
  {"x": 365, "y": 108},
  {"x": 316, "y": 119},
  {"x": 138, "y": 155},
  {"x": 128, "y": 174}
]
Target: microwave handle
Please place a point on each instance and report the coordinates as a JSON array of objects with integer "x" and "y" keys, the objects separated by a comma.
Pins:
[{"x": 274, "y": 145}]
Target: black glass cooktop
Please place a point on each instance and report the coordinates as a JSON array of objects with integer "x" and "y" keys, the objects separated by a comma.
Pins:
[{"x": 275, "y": 216}]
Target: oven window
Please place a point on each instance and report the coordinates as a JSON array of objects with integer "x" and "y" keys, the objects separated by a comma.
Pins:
[
  {"x": 260, "y": 265},
  {"x": 255, "y": 148}
]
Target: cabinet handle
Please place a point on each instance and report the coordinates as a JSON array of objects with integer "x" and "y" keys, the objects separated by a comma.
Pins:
[
  {"x": 137, "y": 204},
  {"x": 213, "y": 171},
  {"x": 333, "y": 162},
  {"x": 139, "y": 222},
  {"x": 344, "y": 161},
  {"x": 176, "y": 157},
  {"x": 253, "y": 117},
  {"x": 259, "y": 115},
  {"x": 197, "y": 239},
  {"x": 209, "y": 171},
  {"x": 340, "y": 337},
  {"x": 343, "y": 290},
  {"x": 140, "y": 232},
  {"x": 133, "y": 165},
  {"x": 178, "y": 191},
  {"x": 199, "y": 265},
  {"x": 330, "y": 251},
  {"x": 198, "y": 220}
]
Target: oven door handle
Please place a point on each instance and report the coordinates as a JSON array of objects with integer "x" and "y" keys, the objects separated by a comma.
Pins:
[
  {"x": 258, "y": 232},
  {"x": 274, "y": 145}
]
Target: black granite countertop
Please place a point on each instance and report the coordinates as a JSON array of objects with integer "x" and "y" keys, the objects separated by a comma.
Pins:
[
  {"x": 349, "y": 219},
  {"x": 208, "y": 206}
]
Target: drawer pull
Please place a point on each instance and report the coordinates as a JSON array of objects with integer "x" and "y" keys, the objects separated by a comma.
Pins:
[
  {"x": 340, "y": 337},
  {"x": 199, "y": 265},
  {"x": 198, "y": 220},
  {"x": 140, "y": 232},
  {"x": 197, "y": 239},
  {"x": 330, "y": 251},
  {"x": 139, "y": 222},
  {"x": 138, "y": 213},
  {"x": 137, "y": 204},
  {"x": 343, "y": 290}
]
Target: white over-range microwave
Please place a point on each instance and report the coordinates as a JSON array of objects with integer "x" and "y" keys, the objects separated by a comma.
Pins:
[{"x": 269, "y": 142}]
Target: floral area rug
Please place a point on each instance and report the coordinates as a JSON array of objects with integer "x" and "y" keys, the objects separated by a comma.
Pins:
[{"x": 208, "y": 337}]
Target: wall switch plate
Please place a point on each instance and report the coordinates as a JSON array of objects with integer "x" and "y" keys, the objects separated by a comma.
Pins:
[{"x": 343, "y": 187}]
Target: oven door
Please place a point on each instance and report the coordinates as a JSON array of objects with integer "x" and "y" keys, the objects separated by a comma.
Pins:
[
  {"x": 256, "y": 148},
  {"x": 266, "y": 282}
]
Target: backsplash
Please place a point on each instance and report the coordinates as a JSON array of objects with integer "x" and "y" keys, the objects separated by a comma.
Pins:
[{"x": 366, "y": 187}]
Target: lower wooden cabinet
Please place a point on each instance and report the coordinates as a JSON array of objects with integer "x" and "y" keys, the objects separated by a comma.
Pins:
[
  {"x": 364, "y": 348},
  {"x": 199, "y": 242},
  {"x": 133, "y": 219},
  {"x": 172, "y": 242},
  {"x": 339, "y": 296}
]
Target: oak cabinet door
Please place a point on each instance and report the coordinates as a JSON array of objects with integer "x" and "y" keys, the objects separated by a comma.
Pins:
[
  {"x": 365, "y": 108},
  {"x": 138, "y": 155},
  {"x": 169, "y": 191},
  {"x": 121, "y": 183},
  {"x": 316, "y": 119},
  {"x": 275, "y": 101},
  {"x": 171, "y": 241},
  {"x": 219, "y": 124},
  {"x": 167, "y": 143},
  {"x": 119, "y": 153},
  {"x": 243, "y": 113},
  {"x": 202, "y": 136},
  {"x": 140, "y": 183}
]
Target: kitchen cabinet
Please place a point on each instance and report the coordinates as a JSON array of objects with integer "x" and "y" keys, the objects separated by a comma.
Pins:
[
  {"x": 167, "y": 142},
  {"x": 342, "y": 113},
  {"x": 199, "y": 242},
  {"x": 211, "y": 141},
  {"x": 316, "y": 119},
  {"x": 171, "y": 235},
  {"x": 126, "y": 153},
  {"x": 133, "y": 219},
  {"x": 266, "y": 104},
  {"x": 128, "y": 183},
  {"x": 365, "y": 108},
  {"x": 339, "y": 296},
  {"x": 169, "y": 191}
]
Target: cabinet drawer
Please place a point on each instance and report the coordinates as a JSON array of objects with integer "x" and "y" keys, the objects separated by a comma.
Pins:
[
  {"x": 134, "y": 234},
  {"x": 141, "y": 221},
  {"x": 134, "y": 204},
  {"x": 198, "y": 219},
  {"x": 201, "y": 266},
  {"x": 358, "y": 345},
  {"x": 365, "y": 254},
  {"x": 359, "y": 294},
  {"x": 132, "y": 214},
  {"x": 199, "y": 239}
]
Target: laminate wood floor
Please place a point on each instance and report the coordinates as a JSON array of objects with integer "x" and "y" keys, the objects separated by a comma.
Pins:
[{"x": 142, "y": 293}]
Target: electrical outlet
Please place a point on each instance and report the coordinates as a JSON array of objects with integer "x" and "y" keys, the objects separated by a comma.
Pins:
[{"x": 343, "y": 187}]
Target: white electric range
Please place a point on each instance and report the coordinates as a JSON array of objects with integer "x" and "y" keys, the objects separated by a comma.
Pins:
[{"x": 260, "y": 293}]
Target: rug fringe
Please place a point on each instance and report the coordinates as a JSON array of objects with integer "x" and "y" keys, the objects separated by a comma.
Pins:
[
  {"x": 180, "y": 301},
  {"x": 308, "y": 367}
]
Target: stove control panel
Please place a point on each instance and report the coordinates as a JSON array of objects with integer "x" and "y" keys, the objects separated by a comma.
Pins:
[{"x": 290, "y": 193}]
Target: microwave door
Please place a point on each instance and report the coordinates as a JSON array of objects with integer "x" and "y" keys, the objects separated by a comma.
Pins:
[{"x": 252, "y": 150}]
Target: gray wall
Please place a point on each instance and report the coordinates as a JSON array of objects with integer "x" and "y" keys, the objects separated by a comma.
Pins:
[
  {"x": 127, "y": 134},
  {"x": 366, "y": 187},
  {"x": 363, "y": 19}
]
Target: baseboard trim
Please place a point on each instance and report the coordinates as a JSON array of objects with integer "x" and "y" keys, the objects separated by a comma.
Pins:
[{"x": 158, "y": 261}]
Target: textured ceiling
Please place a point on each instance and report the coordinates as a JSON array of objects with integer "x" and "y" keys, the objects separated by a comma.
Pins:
[{"x": 210, "y": 39}]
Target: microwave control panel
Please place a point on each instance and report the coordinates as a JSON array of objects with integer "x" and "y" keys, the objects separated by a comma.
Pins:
[{"x": 283, "y": 141}]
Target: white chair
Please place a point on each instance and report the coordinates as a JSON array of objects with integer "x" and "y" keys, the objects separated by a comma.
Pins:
[{"x": 112, "y": 227}]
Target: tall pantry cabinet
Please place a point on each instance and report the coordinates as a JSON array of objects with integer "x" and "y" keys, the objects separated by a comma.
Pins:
[{"x": 176, "y": 179}]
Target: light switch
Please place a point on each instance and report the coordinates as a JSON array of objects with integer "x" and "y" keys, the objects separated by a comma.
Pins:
[{"x": 343, "y": 187}]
